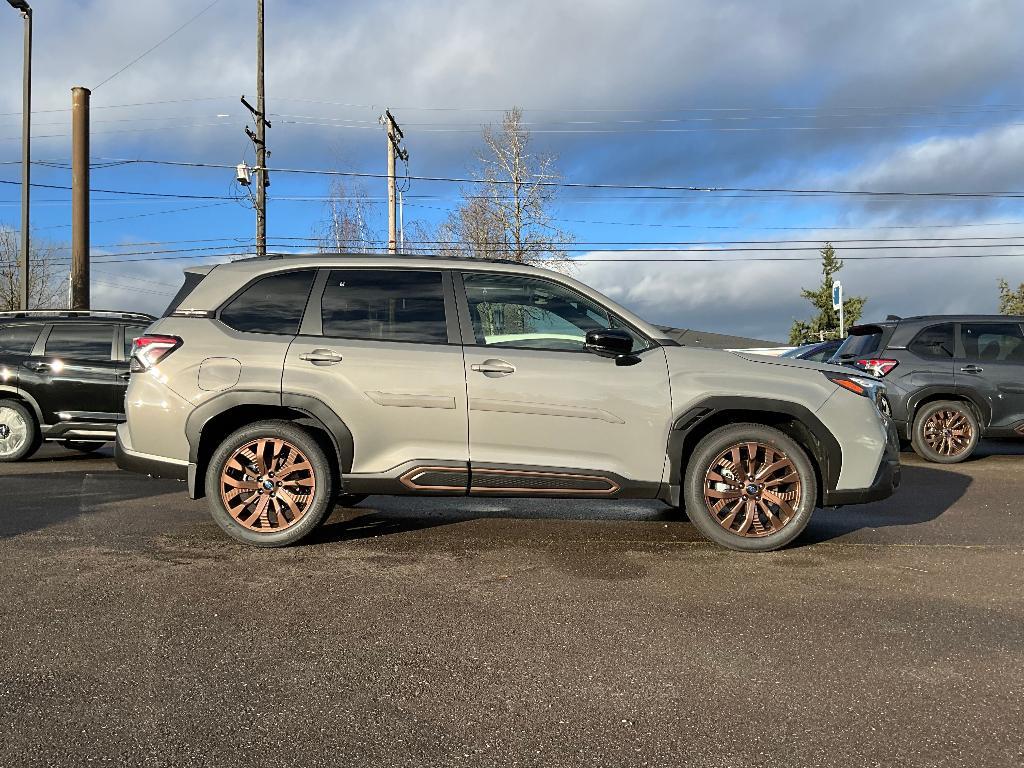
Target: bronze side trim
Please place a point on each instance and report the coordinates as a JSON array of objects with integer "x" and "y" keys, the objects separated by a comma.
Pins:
[
  {"x": 613, "y": 487},
  {"x": 409, "y": 479}
]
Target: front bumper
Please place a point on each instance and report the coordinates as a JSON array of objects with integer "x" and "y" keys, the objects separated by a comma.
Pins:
[
  {"x": 144, "y": 463},
  {"x": 886, "y": 481}
]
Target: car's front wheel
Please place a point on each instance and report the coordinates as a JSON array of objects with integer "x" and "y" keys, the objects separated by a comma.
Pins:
[
  {"x": 269, "y": 484},
  {"x": 750, "y": 487},
  {"x": 945, "y": 432},
  {"x": 19, "y": 433}
]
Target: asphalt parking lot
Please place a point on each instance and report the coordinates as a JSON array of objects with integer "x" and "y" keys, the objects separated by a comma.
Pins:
[{"x": 507, "y": 633}]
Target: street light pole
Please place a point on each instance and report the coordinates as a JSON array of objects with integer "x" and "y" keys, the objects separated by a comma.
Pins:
[{"x": 26, "y": 155}]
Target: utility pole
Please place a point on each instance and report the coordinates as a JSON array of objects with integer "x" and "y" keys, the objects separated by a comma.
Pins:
[
  {"x": 26, "y": 154},
  {"x": 259, "y": 140},
  {"x": 395, "y": 150},
  {"x": 80, "y": 198}
]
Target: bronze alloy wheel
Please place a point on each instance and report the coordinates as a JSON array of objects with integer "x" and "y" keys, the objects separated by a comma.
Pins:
[
  {"x": 948, "y": 432},
  {"x": 267, "y": 485},
  {"x": 752, "y": 489}
]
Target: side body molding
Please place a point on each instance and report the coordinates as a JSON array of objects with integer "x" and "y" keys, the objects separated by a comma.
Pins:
[{"x": 819, "y": 439}]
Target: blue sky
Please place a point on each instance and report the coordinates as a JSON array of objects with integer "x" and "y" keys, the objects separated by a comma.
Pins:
[{"x": 917, "y": 96}]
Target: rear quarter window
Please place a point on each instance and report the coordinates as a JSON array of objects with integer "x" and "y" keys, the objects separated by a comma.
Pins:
[
  {"x": 934, "y": 343},
  {"x": 18, "y": 339},
  {"x": 273, "y": 304}
]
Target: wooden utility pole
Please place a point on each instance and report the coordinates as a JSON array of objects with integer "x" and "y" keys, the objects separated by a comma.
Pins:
[
  {"x": 80, "y": 198},
  {"x": 26, "y": 153},
  {"x": 261, "y": 140},
  {"x": 395, "y": 151}
]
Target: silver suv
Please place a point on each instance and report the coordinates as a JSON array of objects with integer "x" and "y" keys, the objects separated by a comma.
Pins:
[{"x": 278, "y": 387}]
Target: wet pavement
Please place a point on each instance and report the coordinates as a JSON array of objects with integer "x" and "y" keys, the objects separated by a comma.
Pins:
[{"x": 435, "y": 632}]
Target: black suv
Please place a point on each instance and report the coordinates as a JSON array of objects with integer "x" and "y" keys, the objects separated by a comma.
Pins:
[
  {"x": 63, "y": 375},
  {"x": 951, "y": 379}
]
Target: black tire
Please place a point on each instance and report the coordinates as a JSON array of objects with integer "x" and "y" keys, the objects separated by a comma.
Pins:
[
  {"x": 315, "y": 505},
  {"x": 945, "y": 432},
  {"x": 748, "y": 507},
  {"x": 77, "y": 445},
  {"x": 18, "y": 425},
  {"x": 351, "y": 499}
]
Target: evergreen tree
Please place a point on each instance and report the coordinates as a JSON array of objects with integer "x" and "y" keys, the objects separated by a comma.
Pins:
[
  {"x": 1011, "y": 302},
  {"x": 826, "y": 323}
]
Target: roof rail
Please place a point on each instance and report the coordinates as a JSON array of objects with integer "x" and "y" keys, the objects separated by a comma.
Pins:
[{"x": 71, "y": 313}]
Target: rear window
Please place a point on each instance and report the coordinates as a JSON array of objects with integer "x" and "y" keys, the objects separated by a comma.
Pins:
[
  {"x": 934, "y": 343},
  {"x": 385, "y": 305},
  {"x": 87, "y": 341},
  {"x": 861, "y": 343},
  {"x": 18, "y": 339},
  {"x": 273, "y": 304}
]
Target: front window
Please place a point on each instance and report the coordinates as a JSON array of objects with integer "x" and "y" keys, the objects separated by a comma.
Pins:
[
  {"x": 993, "y": 342},
  {"x": 532, "y": 313}
]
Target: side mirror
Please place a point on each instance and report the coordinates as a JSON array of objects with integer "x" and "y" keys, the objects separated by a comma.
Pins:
[{"x": 609, "y": 342}]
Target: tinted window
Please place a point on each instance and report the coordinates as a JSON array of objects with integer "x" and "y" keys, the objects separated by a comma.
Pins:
[
  {"x": 80, "y": 342},
  {"x": 273, "y": 304},
  {"x": 993, "y": 342},
  {"x": 18, "y": 339},
  {"x": 514, "y": 311},
  {"x": 861, "y": 344},
  {"x": 131, "y": 332},
  {"x": 935, "y": 342},
  {"x": 384, "y": 305}
]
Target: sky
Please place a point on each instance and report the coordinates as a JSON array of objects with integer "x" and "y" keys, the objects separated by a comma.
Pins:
[{"x": 854, "y": 95}]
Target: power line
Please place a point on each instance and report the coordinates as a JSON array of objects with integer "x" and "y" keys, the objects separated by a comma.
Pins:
[
  {"x": 153, "y": 48},
  {"x": 599, "y": 185}
]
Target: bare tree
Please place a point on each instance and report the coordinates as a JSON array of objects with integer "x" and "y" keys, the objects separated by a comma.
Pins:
[
  {"x": 508, "y": 215},
  {"x": 345, "y": 229},
  {"x": 48, "y": 285}
]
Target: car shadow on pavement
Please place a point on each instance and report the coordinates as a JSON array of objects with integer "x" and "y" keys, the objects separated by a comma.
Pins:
[{"x": 925, "y": 494}]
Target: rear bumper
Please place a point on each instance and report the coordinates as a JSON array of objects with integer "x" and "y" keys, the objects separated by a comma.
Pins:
[
  {"x": 144, "y": 463},
  {"x": 886, "y": 481}
]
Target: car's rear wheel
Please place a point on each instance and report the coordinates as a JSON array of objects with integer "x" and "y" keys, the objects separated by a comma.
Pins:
[
  {"x": 945, "y": 432},
  {"x": 19, "y": 432},
  {"x": 269, "y": 484},
  {"x": 750, "y": 487}
]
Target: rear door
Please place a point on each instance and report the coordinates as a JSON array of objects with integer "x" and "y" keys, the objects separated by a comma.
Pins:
[
  {"x": 990, "y": 364},
  {"x": 381, "y": 348},
  {"x": 71, "y": 373}
]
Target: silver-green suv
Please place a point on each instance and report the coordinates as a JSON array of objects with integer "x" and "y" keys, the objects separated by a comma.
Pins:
[{"x": 278, "y": 387}]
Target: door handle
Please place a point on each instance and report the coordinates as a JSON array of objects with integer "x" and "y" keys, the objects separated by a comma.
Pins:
[
  {"x": 124, "y": 375},
  {"x": 493, "y": 368},
  {"x": 321, "y": 357},
  {"x": 972, "y": 369}
]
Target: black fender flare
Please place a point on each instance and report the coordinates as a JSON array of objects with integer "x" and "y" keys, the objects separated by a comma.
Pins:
[
  {"x": 822, "y": 443},
  {"x": 310, "y": 407},
  {"x": 958, "y": 392}
]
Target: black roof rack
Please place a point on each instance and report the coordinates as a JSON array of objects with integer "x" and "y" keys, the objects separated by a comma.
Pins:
[
  {"x": 73, "y": 313},
  {"x": 409, "y": 256}
]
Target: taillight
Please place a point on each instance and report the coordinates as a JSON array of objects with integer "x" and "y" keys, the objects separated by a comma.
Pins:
[
  {"x": 147, "y": 351},
  {"x": 876, "y": 366}
]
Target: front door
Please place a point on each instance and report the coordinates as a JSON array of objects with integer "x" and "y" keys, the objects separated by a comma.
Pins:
[
  {"x": 72, "y": 376},
  {"x": 546, "y": 416},
  {"x": 381, "y": 348},
  {"x": 991, "y": 365}
]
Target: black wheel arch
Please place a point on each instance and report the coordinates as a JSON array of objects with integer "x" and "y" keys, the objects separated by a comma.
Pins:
[
  {"x": 920, "y": 398},
  {"x": 793, "y": 419},
  {"x": 221, "y": 415}
]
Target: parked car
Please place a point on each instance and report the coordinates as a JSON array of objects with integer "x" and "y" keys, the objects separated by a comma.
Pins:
[
  {"x": 63, "y": 376},
  {"x": 951, "y": 379},
  {"x": 274, "y": 383},
  {"x": 819, "y": 351}
]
